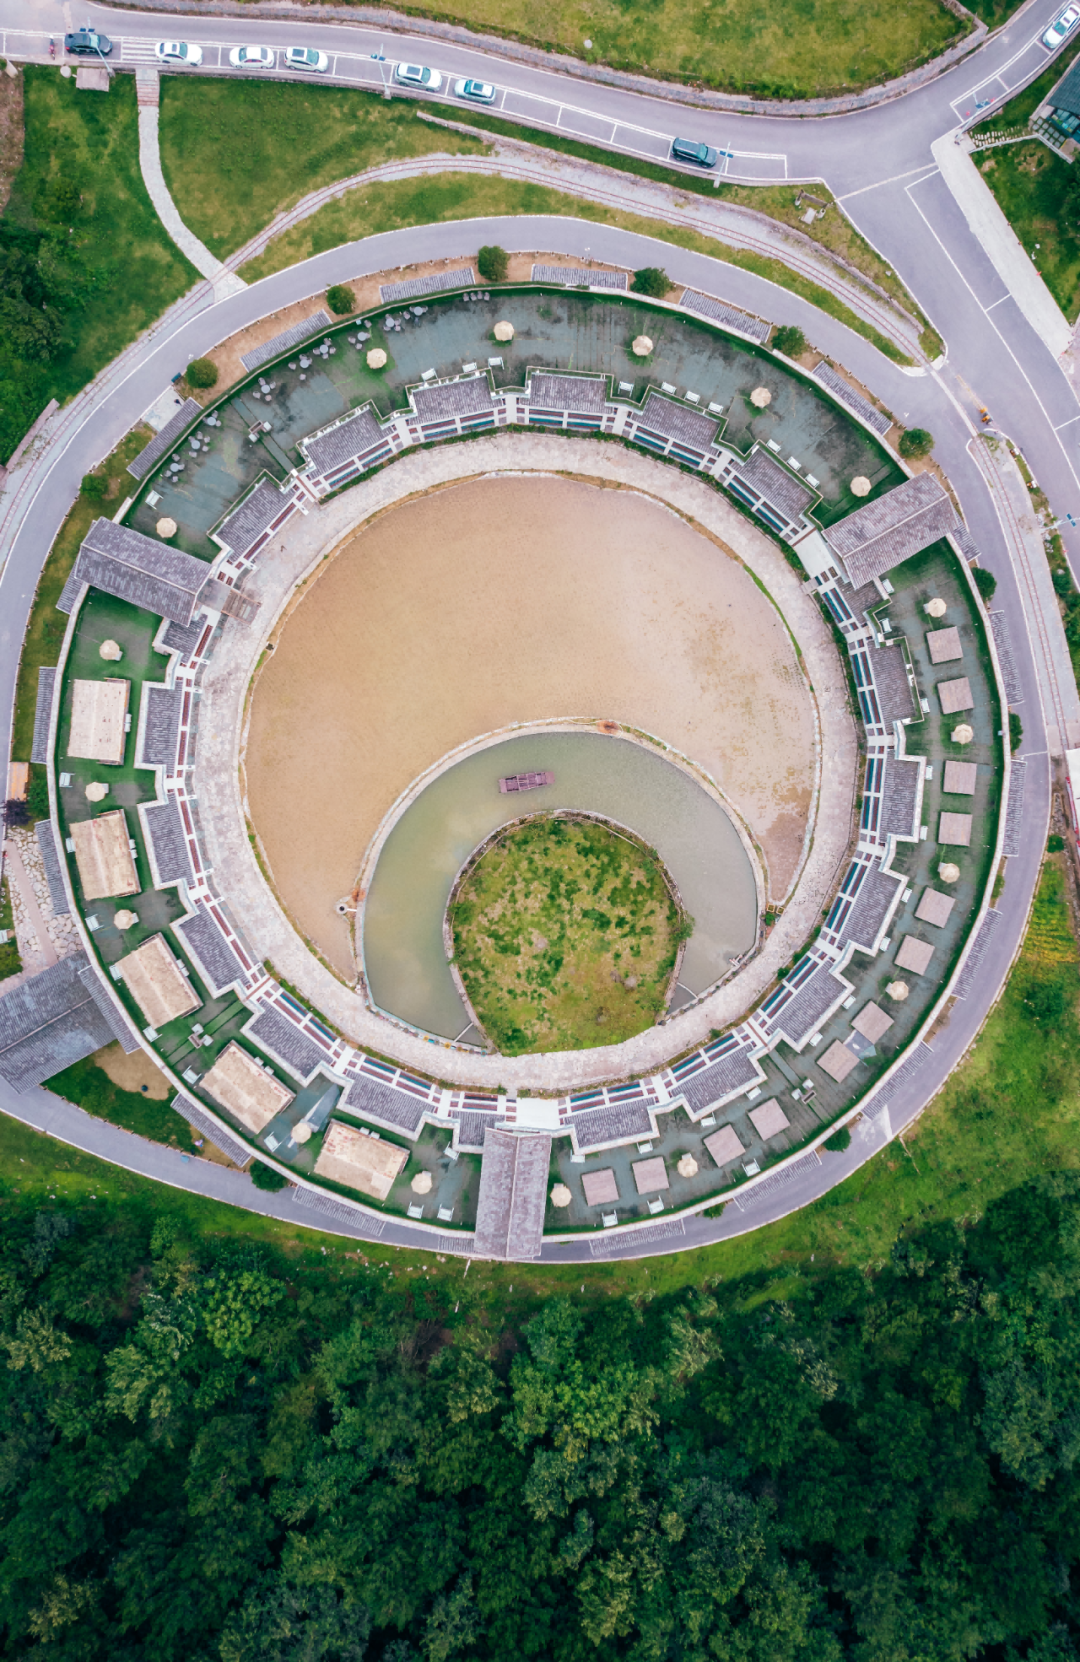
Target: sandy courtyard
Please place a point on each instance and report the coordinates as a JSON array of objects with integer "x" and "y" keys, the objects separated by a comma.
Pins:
[{"x": 515, "y": 599}]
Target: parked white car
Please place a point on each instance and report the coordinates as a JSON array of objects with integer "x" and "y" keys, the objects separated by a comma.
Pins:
[
  {"x": 178, "y": 51},
  {"x": 481, "y": 92},
  {"x": 1062, "y": 26},
  {"x": 252, "y": 57},
  {"x": 307, "y": 57},
  {"x": 415, "y": 75}
]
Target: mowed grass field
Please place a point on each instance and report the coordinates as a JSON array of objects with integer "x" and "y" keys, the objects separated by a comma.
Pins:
[
  {"x": 1031, "y": 184},
  {"x": 793, "y": 49},
  {"x": 565, "y": 935}
]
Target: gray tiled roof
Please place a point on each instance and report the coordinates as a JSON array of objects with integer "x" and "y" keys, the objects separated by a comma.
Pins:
[
  {"x": 1013, "y": 841},
  {"x": 69, "y": 594},
  {"x": 705, "y": 306},
  {"x": 895, "y": 697},
  {"x": 200, "y": 1120},
  {"x": 836, "y": 384},
  {"x": 248, "y": 522},
  {"x": 1002, "y": 640},
  {"x": 343, "y": 443},
  {"x": 893, "y": 527},
  {"x": 815, "y": 1000},
  {"x": 160, "y": 726},
  {"x": 731, "y": 1073},
  {"x": 48, "y": 1022},
  {"x": 472, "y": 1129},
  {"x": 137, "y": 568},
  {"x": 513, "y": 1195},
  {"x": 184, "y": 638},
  {"x": 164, "y": 439},
  {"x": 900, "y": 796},
  {"x": 969, "y": 975},
  {"x": 577, "y": 277},
  {"x": 878, "y": 894},
  {"x": 456, "y": 398},
  {"x": 587, "y": 393},
  {"x": 675, "y": 421},
  {"x": 379, "y": 1100},
  {"x": 413, "y": 287},
  {"x": 50, "y": 859},
  {"x": 164, "y": 828},
  {"x": 289, "y": 337},
  {"x": 282, "y": 1036},
  {"x": 109, "y": 1005},
  {"x": 620, "y": 1122},
  {"x": 779, "y": 488},
  {"x": 46, "y": 681},
  {"x": 210, "y": 949}
]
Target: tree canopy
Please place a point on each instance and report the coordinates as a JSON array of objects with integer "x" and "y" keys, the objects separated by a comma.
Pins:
[{"x": 207, "y": 1458}]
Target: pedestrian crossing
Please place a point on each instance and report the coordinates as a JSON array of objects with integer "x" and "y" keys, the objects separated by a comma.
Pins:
[{"x": 137, "y": 51}]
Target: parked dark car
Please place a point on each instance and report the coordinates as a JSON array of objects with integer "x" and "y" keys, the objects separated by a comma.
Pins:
[
  {"x": 86, "y": 43},
  {"x": 688, "y": 150}
]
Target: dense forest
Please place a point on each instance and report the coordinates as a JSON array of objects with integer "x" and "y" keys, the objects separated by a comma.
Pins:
[{"x": 208, "y": 1456}]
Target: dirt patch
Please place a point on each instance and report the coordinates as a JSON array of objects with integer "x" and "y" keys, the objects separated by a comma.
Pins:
[
  {"x": 132, "y": 1072},
  {"x": 515, "y": 599},
  {"x": 11, "y": 133}
]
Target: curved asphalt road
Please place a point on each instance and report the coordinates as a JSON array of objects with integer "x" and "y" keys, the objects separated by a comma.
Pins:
[{"x": 891, "y": 187}]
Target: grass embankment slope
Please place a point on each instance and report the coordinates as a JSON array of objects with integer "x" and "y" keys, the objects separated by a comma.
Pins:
[
  {"x": 1032, "y": 188},
  {"x": 1009, "y": 1113},
  {"x": 565, "y": 935},
  {"x": 102, "y": 265},
  {"x": 230, "y": 178}
]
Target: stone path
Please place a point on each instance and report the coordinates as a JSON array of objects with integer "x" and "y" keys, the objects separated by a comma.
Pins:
[{"x": 206, "y": 264}]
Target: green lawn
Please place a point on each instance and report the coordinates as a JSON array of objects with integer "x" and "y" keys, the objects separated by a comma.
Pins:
[
  {"x": 796, "y": 49},
  {"x": 45, "y": 629},
  {"x": 10, "y": 962},
  {"x": 90, "y": 1086},
  {"x": 235, "y": 153},
  {"x": 565, "y": 935},
  {"x": 1030, "y": 184},
  {"x": 109, "y": 266},
  {"x": 388, "y": 206}
]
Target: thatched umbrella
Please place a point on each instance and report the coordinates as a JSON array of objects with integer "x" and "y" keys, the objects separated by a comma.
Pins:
[
  {"x": 642, "y": 346},
  {"x": 301, "y": 1132},
  {"x": 948, "y": 872},
  {"x": 860, "y": 485},
  {"x": 760, "y": 398},
  {"x": 687, "y": 1166},
  {"x": 96, "y": 792},
  {"x": 935, "y": 607},
  {"x": 421, "y": 1183},
  {"x": 898, "y": 991},
  {"x": 125, "y": 919},
  {"x": 110, "y": 651},
  {"x": 963, "y": 734},
  {"x": 560, "y": 1195},
  {"x": 504, "y": 331},
  {"x": 166, "y": 527},
  {"x": 376, "y": 358}
]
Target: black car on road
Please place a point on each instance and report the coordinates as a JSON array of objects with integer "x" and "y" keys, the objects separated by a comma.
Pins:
[{"x": 85, "y": 43}]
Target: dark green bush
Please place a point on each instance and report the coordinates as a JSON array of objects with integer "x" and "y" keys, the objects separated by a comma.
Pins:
[
  {"x": 1055, "y": 844},
  {"x": 985, "y": 582},
  {"x": 789, "y": 340},
  {"x": 94, "y": 486},
  {"x": 916, "y": 442},
  {"x": 493, "y": 263},
  {"x": 265, "y": 1177},
  {"x": 201, "y": 373},
  {"x": 1016, "y": 731},
  {"x": 341, "y": 300},
  {"x": 839, "y": 1140},
  {"x": 652, "y": 280},
  {"x": 37, "y": 794}
]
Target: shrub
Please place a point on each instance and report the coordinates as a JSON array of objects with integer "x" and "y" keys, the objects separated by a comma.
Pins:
[
  {"x": 201, "y": 373},
  {"x": 916, "y": 442},
  {"x": 1016, "y": 731},
  {"x": 790, "y": 341},
  {"x": 985, "y": 582},
  {"x": 37, "y": 794},
  {"x": 652, "y": 280},
  {"x": 1055, "y": 844},
  {"x": 94, "y": 486},
  {"x": 265, "y": 1177},
  {"x": 493, "y": 263},
  {"x": 839, "y": 1140},
  {"x": 341, "y": 300},
  {"x": 16, "y": 813}
]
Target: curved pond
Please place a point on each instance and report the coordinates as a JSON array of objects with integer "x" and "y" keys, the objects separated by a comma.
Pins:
[{"x": 402, "y": 920}]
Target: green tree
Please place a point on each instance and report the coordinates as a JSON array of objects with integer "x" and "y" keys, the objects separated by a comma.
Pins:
[
  {"x": 341, "y": 300},
  {"x": 915, "y": 442},
  {"x": 651, "y": 280},
  {"x": 790, "y": 341},
  {"x": 201, "y": 372},
  {"x": 493, "y": 263}
]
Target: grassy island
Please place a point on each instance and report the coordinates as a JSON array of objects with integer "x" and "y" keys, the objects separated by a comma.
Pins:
[{"x": 565, "y": 935}]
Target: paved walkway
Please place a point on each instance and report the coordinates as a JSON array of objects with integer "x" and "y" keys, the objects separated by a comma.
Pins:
[
  {"x": 206, "y": 264},
  {"x": 227, "y": 678},
  {"x": 1001, "y": 244},
  {"x": 727, "y": 223}
]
